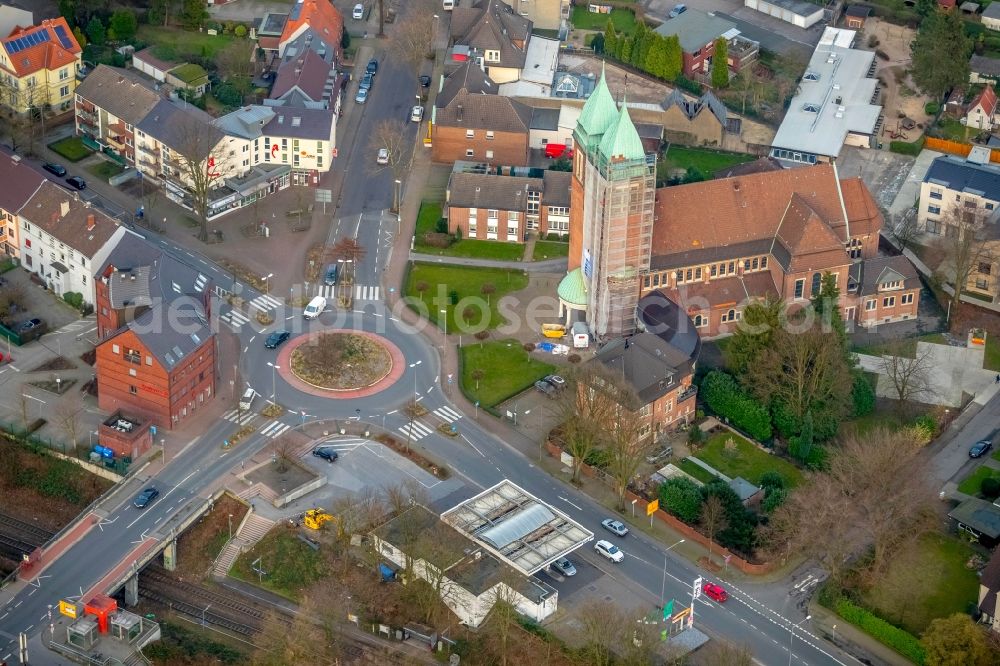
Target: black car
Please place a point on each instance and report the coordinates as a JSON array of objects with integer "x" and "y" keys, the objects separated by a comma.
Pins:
[
  {"x": 980, "y": 448},
  {"x": 275, "y": 339},
  {"x": 143, "y": 499},
  {"x": 425, "y": 81},
  {"x": 30, "y": 324},
  {"x": 56, "y": 169},
  {"x": 330, "y": 275},
  {"x": 77, "y": 182},
  {"x": 372, "y": 67},
  {"x": 328, "y": 455}
]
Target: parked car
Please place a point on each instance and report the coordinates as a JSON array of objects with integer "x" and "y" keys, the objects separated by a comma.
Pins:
[
  {"x": 29, "y": 325},
  {"x": 980, "y": 448},
  {"x": 417, "y": 114},
  {"x": 545, "y": 387},
  {"x": 326, "y": 454},
  {"x": 615, "y": 526},
  {"x": 371, "y": 67},
  {"x": 56, "y": 169},
  {"x": 362, "y": 96},
  {"x": 556, "y": 381},
  {"x": 367, "y": 81},
  {"x": 359, "y": 12},
  {"x": 330, "y": 275},
  {"x": 425, "y": 81},
  {"x": 715, "y": 592},
  {"x": 609, "y": 550},
  {"x": 275, "y": 339},
  {"x": 383, "y": 156},
  {"x": 564, "y": 566},
  {"x": 143, "y": 499},
  {"x": 660, "y": 456},
  {"x": 77, "y": 182},
  {"x": 677, "y": 11}
]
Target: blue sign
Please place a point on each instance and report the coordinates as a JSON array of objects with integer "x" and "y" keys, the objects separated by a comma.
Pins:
[
  {"x": 152, "y": 430},
  {"x": 588, "y": 264}
]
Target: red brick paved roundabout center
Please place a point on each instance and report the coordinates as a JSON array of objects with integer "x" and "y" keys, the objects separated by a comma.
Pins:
[{"x": 284, "y": 362}]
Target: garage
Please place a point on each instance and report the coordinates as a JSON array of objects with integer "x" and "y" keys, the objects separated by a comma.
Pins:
[{"x": 796, "y": 12}]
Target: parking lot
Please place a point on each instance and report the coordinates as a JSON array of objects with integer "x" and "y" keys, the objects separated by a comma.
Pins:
[{"x": 31, "y": 300}]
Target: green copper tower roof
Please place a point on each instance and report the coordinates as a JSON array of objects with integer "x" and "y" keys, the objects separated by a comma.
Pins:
[
  {"x": 572, "y": 289},
  {"x": 599, "y": 112},
  {"x": 621, "y": 140}
]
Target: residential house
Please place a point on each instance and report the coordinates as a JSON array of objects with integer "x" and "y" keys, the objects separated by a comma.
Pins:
[
  {"x": 20, "y": 183},
  {"x": 267, "y": 31},
  {"x": 991, "y": 17},
  {"x": 312, "y": 24},
  {"x": 797, "y": 12},
  {"x": 157, "y": 353},
  {"x": 62, "y": 239},
  {"x": 856, "y": 15},
  {"x": 491, "y": 34},
  {"x": 836, "y": 103},
  {"x": 307, "y": 81},
  {"x": 701, "y": 122},
  {"x": 543, "y": 14},
  {"x": 698, "y": 32},
  {"x": 956, "y": 185},
  {"x": 496, "y": 207},
  {"x": 887, "y": 289},
  {"x": 110, "y": 102},
  {"x": 983, "y": 69},
  {"x": 38, "y": 66},
  {"x": 188, "y": 76},
  {"x": 541, "y": 62},
  {"x": 472, "y": 123},
  {"x": 981, "y": 113},
  {"x": 989, "y": 590}
]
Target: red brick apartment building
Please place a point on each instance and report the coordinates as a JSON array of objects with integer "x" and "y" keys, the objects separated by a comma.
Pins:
[
  {"x": 506, "y": 208},
  {"x": 157, "y": 354}
]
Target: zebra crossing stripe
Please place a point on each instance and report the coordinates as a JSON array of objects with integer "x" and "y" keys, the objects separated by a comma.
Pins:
[
  {"x": 265, "y": 302},
  {"x": 448, "y": 414},
  {"x": 367, "y": 293},
  {"x": 416, "y": 430},
  {"x": 241, "y": 418},
  {"x": 344, "y": 445},
  {"x": 274, "y": 428},
  {"x": 234, "y": 318}
]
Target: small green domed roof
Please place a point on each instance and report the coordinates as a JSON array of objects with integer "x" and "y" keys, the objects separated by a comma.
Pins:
[
  {"x": 571, "y": 288},
  {"x": 622, "y": 140},
  {"x": 599, "y": 111}
]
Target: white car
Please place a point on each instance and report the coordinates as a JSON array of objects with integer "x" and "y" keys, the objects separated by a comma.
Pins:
[
  {"x": 417, "y": 114},
  {"x": 362, "y": 96},
  {"x": 383, "y": 156},
  {"x": 359, "y": 12},
  {"x": 609, "y": 550}
]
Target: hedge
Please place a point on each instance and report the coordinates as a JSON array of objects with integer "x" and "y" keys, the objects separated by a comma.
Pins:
[
  {"x": 725, "y": 397},
  {"x": 899, "y": 640},
  {"x": 907, "y": 148}
]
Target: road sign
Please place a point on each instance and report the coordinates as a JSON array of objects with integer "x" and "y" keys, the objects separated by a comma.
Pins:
[
  {"x": 652, "y": 507},
  {"x": 67, "y": 608},
  {"x": 696, "y": 589},
  {"x": 324, "y": 197}
]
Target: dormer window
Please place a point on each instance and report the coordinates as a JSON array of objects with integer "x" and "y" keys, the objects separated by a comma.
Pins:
[
  {"x": 811, "y": 76},
  {"x": 809, "y": 107},
  {"x": 890, "y": 285},
  {"x": 492, "y": 56}
]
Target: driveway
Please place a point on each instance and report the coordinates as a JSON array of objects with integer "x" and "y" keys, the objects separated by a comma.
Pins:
[{"x": 248, "y": 10}]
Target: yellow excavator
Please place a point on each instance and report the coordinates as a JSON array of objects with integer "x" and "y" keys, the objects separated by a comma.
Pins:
[{"x": 315, "y": 518}]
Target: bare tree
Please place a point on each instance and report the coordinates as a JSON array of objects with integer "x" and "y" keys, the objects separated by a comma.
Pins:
[
  {"x": 391, "y": 136},
  {"x": 629, "y": 442},
  {"x": 903, "y": 227},
  {"x": 67, "y": 416},
  {"x": 722, "y": 653},
  {"x": 584, "y": 411},
  {"x": 200, "y": 163},
  {"x": 502, "y": 622},
  {"x": 237, "y": 65},
  {"x": 281, "y": 642},
  {"x": 22, "y": 403},
  {"x": 910, "y": 377},
  {"x": 412, "y": 38},
  {"x": 601, "y": 631},
  {"x": 713, "y": 519},
  {"x": 966, "y": 244}
]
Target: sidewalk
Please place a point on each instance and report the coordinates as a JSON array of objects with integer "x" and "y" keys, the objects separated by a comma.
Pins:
[{"x": 546, "y": 266}]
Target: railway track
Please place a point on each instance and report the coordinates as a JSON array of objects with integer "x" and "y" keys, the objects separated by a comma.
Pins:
[{"x": 33, "y": 534}]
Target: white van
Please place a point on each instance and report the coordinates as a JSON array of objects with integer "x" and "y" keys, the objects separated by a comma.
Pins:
[
  {"x": 315, "y": 308},
  {"x": 448, "y": 5},
  {"x": 359, "y": 12},
  {"x": 581, "y": 336},
  {"x": 247, "y": 399}
]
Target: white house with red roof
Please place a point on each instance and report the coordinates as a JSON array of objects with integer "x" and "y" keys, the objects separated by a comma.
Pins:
[
  {"x": 38, "y": 65},
  {"x": 982, "y": 112}
]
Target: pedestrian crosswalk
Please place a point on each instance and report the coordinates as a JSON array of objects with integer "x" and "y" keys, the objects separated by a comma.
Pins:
[
  {"x": 274, "y": 429},
  {"x": 447, "y": 414},
  {"x": 265, "y": 302},
  {"x": 415, "y": 430},
  {"x": 234, "y": 318},
  {"x": 240, "y": 417},
  {"x": 367, "y": 293},
  {"x": 344, "y": 444}
]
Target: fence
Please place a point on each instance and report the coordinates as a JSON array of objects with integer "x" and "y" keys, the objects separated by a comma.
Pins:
[{"x": 956, "y": 148}]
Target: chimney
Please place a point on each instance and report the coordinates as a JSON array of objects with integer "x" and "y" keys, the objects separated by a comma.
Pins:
[
  {"x": 16, "y": 159},
  {"x": 64, "y": 209},
  {"x": 91, "y": 222}
]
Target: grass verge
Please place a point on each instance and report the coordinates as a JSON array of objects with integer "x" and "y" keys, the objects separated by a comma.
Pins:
[
  {"x": 746, "y": 459},
  {"x": 427, "y": 223},
  {"x": 549, "y": 250},
  {"x": 105, "y": 170},
  {"x": 705, "y": 161},
  {"x": 906, "y": 347},
  {"x": 289, "y": 564},
  {"x": 71, "y": 148},
  {"x": 507, "y": 370},
  {"x": 696, "y": 471},
  {"x": 445, "y": 284},
  {"x": 970, "y": 485}
]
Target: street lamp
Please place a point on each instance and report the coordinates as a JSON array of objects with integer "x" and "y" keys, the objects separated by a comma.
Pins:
[
  {"x": 395, "y": 196},
  {"x": 791, "y": 636},
  {"x": 663, "y": 584},
  {"x": 413, "y": 408},
  {"x": 203, "y": 614},
  {"x": 267, "y": 282},
  {"x": 274, "y": 385},
  {"x": 230, "y": 527}
]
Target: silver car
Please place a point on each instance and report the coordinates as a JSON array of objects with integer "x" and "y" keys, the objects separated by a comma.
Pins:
[
  {"x": 615, "y": 526},
  {"x": 564, "y": 566}
]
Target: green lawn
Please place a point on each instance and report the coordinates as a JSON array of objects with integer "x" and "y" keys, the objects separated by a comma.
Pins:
[
  {"x": 747, "y": 460},
  {"x": 696, "y": 471},
  {"x": 507, "y": 370},
  {"x": 427, "y": 220},
  {"x": 105, "y": 170},
  {"x": 907, "y": 346},
  {"x": 624, "y": 19},
  {"x": 996, "y": 455},
  {"x": 991, "y": 359},
  {"x": 705, "y": 160},
  {"x": 291, "y": 566},
  {"x": 466, "y": 282},
  {"x": 924, "y": 581},
  {"x": 549, "y": 250},
  {"x": 970, "y": 484},
  {"x": 176, "y": 45},
  {"x": 954, "y": 130},
  {"x": 71, "y": 148}
]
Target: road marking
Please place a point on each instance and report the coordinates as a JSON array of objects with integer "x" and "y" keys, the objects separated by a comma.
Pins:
[
  {"x": 33, "y": 591},
  {"x": 393, "y": 411},
  {"x": 240, "y": 417},
  {"x": 473, "y": 445},
  {"x": 415, "y": 430},
  {"x": 265, "y": 302},
  {"x": 274, "y": 429},
  {"x": 447, "y": 414},
  {"x": 367, "y": 293},
  {"x": 578, "y": 508}
]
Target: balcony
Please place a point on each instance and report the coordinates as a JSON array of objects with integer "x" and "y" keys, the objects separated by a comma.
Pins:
[
  {"x": 743, "y": 52},
  {"x": 687, "y": 394},
  {"x": 116, "y": 142},
  {"x": 86, "y": 118}
]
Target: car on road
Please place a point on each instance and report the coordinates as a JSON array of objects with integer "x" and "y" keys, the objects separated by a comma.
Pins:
[
  {"x": 980, "y": 448},
  {"x": 77, "y": 182},
  {"x": 328, "y": 455},
  {"x": 367, "y": 81},
  {"x": 564, "y": 566},
  {"x": 371, "y": 67},
  {"x": 556, "y": 381},
  {"x": 677, "y": 10},
  {"x": 615, "y": 526},
  {"x": 275, "y": 339},
  {"x": 362, "y": 96},
  {"x": 383, "y": 156},
  {"x": 330, "y": 275},
  {"x": 417, "y": 114},
  {"x": 545, "y": 387},
  {"x": 143, "y": 499},
  {"x": 359, "y": 12},
  {"x": 715, "y": 592},
  {"x": 30, "y": 324},
  {"x": 56, "y": 169},
  {"x": 425, "y": 81},
  {"x": 609, "y": 550}
]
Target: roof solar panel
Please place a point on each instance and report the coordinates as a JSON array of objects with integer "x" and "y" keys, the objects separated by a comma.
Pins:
[{"x": 64, "y": 39}]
